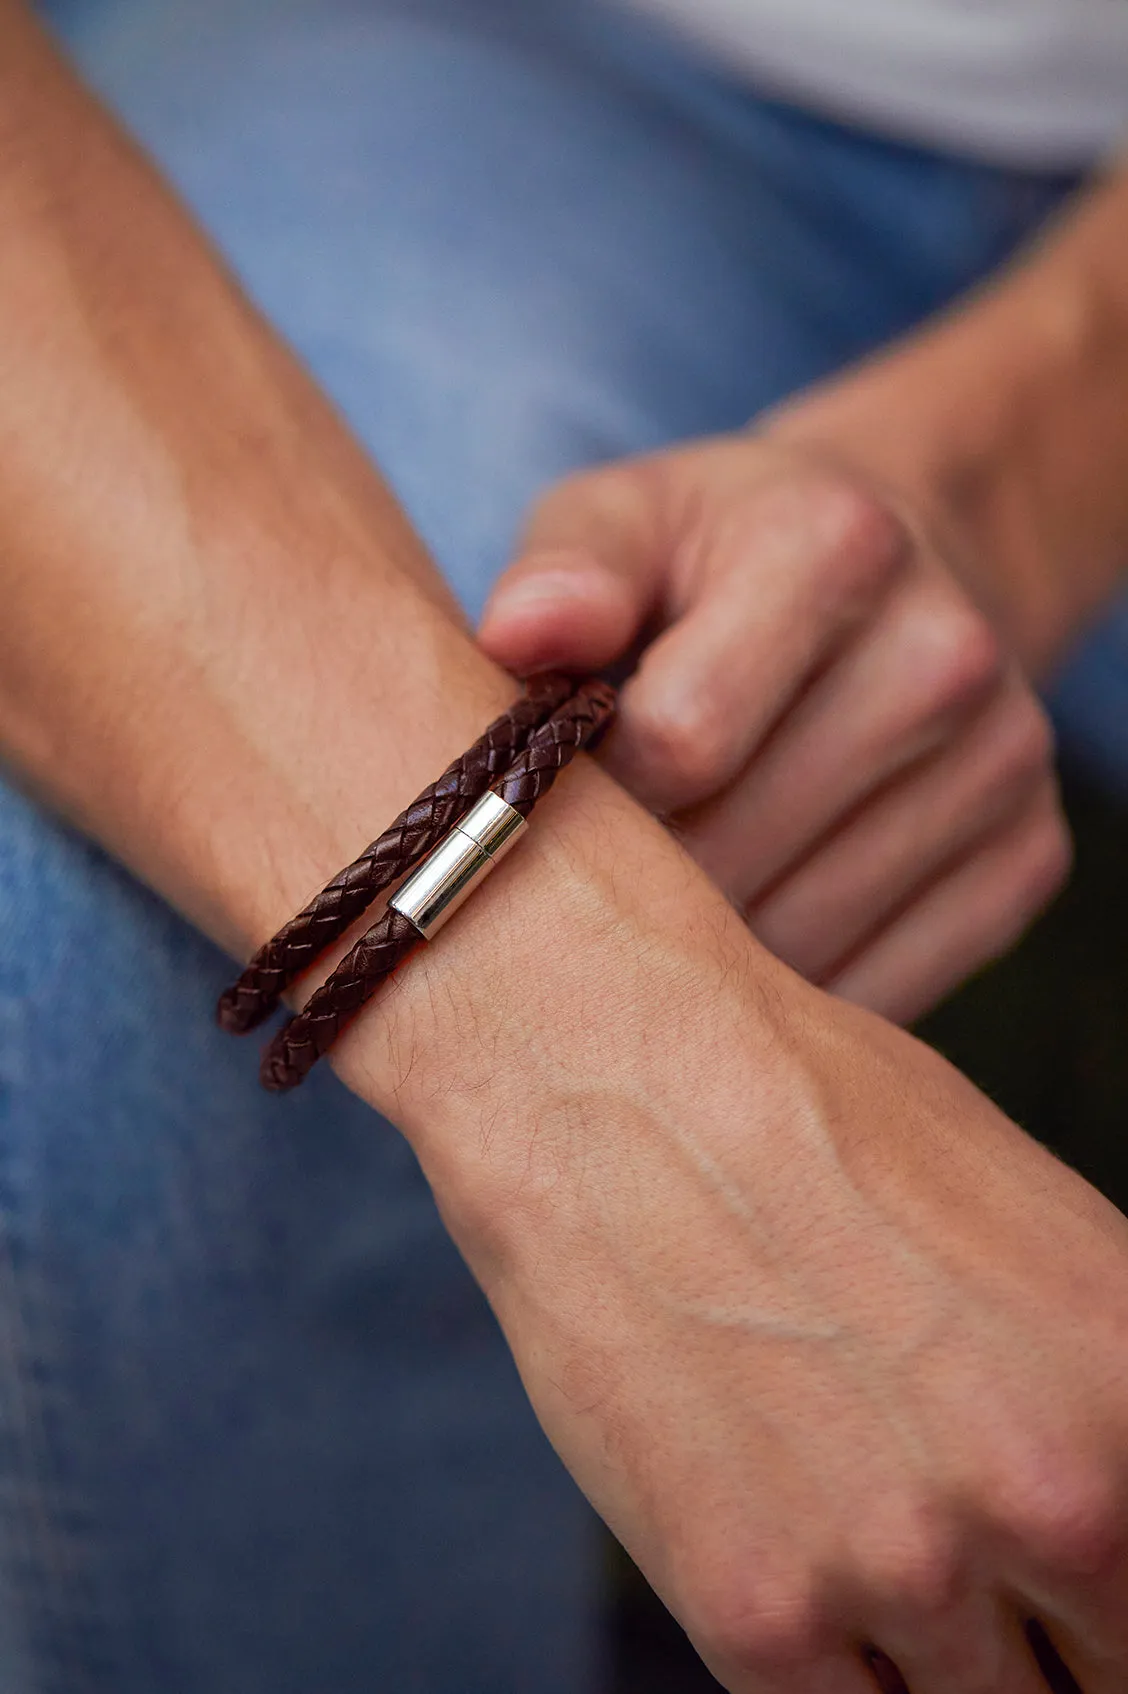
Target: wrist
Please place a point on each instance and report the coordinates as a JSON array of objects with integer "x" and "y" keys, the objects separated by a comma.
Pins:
[
  {"x": 569, "y": 1004},
  {"x": 997, "y": 431}
]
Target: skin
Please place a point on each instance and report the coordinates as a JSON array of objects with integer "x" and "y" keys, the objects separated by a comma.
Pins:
[
  {"x": 835, "y": 1348},
  {"x": 840, "y": 614}
]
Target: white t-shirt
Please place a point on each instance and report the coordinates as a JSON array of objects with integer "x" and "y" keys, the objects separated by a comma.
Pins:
[{"x": 1042, "y": 83}]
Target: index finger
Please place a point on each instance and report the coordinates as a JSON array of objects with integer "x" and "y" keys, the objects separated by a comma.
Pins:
[{"x": 785, "y": 577}]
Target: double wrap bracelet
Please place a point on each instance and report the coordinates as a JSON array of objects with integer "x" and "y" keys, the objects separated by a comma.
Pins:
[{"x": 444, "y": 844}]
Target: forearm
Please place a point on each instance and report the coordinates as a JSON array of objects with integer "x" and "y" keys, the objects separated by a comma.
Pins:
[
  {"x": 223, "y": 651},
  {"x": 1005, "y": 422},
  {"x": 225, "y": 655}
]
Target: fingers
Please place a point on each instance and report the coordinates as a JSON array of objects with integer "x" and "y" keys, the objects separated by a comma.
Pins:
[
  {"x": 755, "y": 580},
  {"x": 825, "y": 713},
  {"x": 928, "y": 1602},
  {"x": 1051, "y": 1661},
  {"x": 561, "y": 610},
  {"x": 590, "y": 574},
  {"x": 1089, "y": 1653},
  {"x": 966, "y": 919},
  {"x": 787, "y": 585},
  {"x": 936, "y": 815},
  {"x": 841, "y": 1674},
  {"x": 970, "y": 1648},
  {"x": 763, "y": 1625},
  {"x": 766, "y": 1668},
  {"x": 1071, "y": 1666},
  {"x": 1080, "y": 1595},
  {"x": 977, "y": 1646},
  {"x": 916, "y": 678}
]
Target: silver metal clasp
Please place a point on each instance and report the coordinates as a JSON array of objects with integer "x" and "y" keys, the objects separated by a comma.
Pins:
[{"x": 451, "y": 872}]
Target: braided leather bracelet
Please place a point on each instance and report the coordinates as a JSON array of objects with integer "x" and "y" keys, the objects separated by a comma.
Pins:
[
  {"x": 299, "y": 943},
  {"x": 552, "y": 733}
]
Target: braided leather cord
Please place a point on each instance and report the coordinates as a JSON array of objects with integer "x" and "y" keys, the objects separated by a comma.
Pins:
[
  {"x": 300, "y": 942},
  {"x": 580, "y": 723},
  {"x": 307, "y": 1037}
]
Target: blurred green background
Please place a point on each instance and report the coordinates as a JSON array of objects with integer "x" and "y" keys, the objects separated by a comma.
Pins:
[{"x": 1045, "y": 1033}]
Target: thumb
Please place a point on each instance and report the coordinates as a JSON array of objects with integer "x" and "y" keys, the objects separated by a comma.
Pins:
[{"x": 585, "y": 583}]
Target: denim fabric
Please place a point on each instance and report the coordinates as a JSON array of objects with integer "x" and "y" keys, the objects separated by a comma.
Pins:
[{"x": 260, "y": 1431}]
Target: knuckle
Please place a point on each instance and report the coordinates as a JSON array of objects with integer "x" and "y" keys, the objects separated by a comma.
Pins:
[
  {"x": 1028, "y": 748},
  {"x": 771, "y": 1626},
  {"x": 613, "y": 496},
  {"x": 1048, "y": 859},
  {"x": 1067, "y": 1518},
  {"x": 850, "y": 543},
  {"x": 862, "y": 544},
  {"x": 918, "y": 1569},
  {"x": 687, "y": 742},
  {"x": 960, "y": 656}
]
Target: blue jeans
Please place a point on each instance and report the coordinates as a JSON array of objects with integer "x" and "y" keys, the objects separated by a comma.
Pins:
[{"x": 260, "y": 1431}]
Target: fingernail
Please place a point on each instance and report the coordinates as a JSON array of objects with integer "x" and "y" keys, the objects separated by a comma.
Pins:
[{"x": 531, "y": 591}]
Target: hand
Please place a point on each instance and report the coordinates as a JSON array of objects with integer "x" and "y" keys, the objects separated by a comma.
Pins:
[
  {"x": 838, "y": 1352},
  {"x": 821, "y": 708}
]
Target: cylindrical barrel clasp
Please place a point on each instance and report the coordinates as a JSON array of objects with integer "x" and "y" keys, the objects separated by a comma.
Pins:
[
  {"x": 449, "y": 875},
  {"x": 493, "y": 823}
]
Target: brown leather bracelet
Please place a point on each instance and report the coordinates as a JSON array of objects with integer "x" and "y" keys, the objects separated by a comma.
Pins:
[
  {"x": 308, "y": 1036},
  {"x": 301, "y": 942}
]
